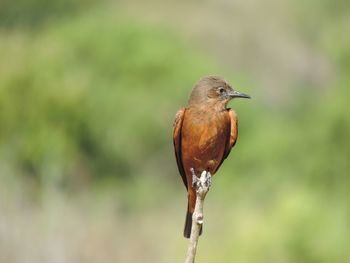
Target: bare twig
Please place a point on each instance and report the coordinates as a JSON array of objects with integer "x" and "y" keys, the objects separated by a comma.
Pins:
[{"x": 202, "y": 186}]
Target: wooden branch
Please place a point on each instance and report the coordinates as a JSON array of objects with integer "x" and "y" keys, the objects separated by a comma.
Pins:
[{"x": 202, "y": 185}]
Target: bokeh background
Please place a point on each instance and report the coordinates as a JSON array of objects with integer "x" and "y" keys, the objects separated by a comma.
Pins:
[{"x": 88, "y": 94}]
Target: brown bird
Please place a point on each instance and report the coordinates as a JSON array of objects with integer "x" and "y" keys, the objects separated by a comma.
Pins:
[{"x": 204, "y": 133}]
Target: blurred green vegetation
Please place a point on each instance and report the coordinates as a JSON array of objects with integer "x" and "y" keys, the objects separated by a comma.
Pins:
[
  {"x": 87, "y": 102},
  {"x": 34, "y": 13},
  {"x": 92, "y": 97}
]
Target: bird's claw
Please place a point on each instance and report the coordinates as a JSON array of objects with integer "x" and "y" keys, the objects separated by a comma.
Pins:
[
  {"x": 208, "y": 179},
  {"x": 203, "y": 180},
  {"x": 195, "y": 179}
]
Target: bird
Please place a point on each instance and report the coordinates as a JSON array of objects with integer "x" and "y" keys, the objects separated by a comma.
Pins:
[{"x": 204, "y": 133}]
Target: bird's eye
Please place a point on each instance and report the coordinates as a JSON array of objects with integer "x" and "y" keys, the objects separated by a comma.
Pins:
[{"x": 221, "y": 90}]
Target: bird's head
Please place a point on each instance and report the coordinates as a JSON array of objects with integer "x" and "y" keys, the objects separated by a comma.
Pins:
[{"x": 214, "y": 90}]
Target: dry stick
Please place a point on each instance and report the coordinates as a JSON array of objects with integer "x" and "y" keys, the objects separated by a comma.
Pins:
[{"x": 202, "y": 186}]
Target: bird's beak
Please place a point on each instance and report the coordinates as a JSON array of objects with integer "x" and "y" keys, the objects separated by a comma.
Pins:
[{"x": 237, "y": 94}]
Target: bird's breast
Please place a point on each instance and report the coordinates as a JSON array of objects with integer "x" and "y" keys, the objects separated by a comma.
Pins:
[{"x": 204, "y": 137}]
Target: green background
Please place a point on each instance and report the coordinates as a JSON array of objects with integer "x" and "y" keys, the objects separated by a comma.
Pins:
[{"x": 88, "y": 95}]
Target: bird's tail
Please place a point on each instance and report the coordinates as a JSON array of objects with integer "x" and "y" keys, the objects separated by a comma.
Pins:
[{"x": 188, "y": 225}]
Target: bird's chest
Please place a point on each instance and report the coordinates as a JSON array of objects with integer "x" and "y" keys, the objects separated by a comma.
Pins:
[{"x": 207, "y": 135}]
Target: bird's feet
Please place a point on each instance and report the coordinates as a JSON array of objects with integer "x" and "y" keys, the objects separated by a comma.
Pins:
[
  {"x": 202, "y": 182},
  {"x": 195, "y": 179},
  {"x": 208, "y": 179}
]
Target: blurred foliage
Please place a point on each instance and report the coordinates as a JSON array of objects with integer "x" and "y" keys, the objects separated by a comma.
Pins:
[
  {"x": 31, "y": 13},
  {"x": 89, "y": 99},
  {"x": 91, "y": 96}
]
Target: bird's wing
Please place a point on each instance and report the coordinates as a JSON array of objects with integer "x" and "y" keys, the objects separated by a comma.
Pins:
[
  {"x": 177, "y": 142},
  {"x": 233, "y": 133}
]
